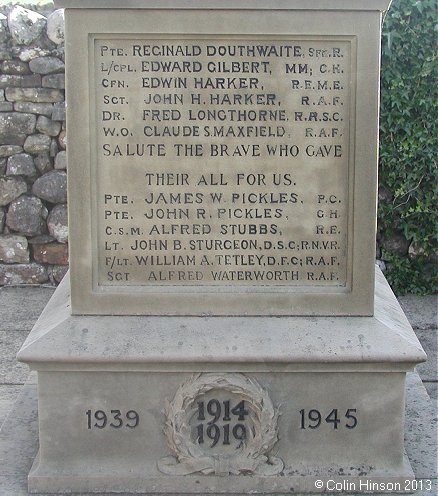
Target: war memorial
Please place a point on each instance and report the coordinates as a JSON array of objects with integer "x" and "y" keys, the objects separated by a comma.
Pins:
[{"x": 223, "y": 328}]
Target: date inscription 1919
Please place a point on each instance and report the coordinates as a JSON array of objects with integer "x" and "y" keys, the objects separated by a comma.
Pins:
[{"x": 217, "y": 422}]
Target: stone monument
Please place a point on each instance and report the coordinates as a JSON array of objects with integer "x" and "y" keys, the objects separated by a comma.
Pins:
[{"x": 226, "y": 331}]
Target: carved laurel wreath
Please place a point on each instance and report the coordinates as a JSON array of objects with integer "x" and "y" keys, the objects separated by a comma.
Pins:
[{"x": 252, "y": 458}]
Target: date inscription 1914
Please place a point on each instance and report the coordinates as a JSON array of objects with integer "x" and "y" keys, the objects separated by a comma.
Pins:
[{"x": 218, "y": 422}]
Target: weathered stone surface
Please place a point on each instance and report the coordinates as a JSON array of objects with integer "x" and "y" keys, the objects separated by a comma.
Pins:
[
  {"x": 32, "y": 273},
  {"x": 9, "y": 80},
  {"x": 57, "y": 273},
  {"x": 6, "y": 107},
  {"x": 2, "y": 219},
  {"x": 42, "y": 239},
  {"x": 21, "y": 164},
  {"x": 26, "y": 215},
  {"x": 52, "y": 253},
  {"x": 5, "y": 54},
  {"x": 44, "y": 95},
  {"x": 37, "y": 143},
  {"x": 47, "y": 126},
  {"x": 58, "y": 113},
  {"x": 54, "y": 148},
  {"x": 8, "y": 150},
  {"x": 28, "y": 54},
  {"x": 62, "y": 140},
  {"x": 25, "y": 25},
  {"x": 43, "y": 163},
  {"x": 46, "y": 65},
  {"x": 57, "y": 223},
  {"x": 12, "y": 139},
  {"x": 2, "y": 95},
  {"x": 54, "y": 81},
  {"x": 61, "y": 160},
  {"x": 55, "y": 26},
  {"x": 3, "y": 162},
  {"x": 16, "y": 123},
  {"x": 34, "y": 108},
  {"x": 14, "y": 249},
  {"x": 51, "y": 187},
  {"x": 3, "y": 27},
  {"x": 16, "y": 67},
  {"x": 11, "y": 188}
]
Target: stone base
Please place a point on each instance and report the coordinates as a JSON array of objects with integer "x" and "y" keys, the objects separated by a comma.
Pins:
[
  {"x": 118, "y": 399},
  {"x": 295, "y": 484}
]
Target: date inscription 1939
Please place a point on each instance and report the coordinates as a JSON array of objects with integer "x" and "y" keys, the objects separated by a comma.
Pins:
[
  {"x": 115, "y": 419},
  {"x": 218, "y": 422}
]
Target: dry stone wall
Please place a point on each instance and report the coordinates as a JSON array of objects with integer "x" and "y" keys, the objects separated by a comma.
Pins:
[{"x": 33, "y": 176}]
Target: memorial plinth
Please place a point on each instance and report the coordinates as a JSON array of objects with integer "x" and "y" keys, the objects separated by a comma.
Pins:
[{"x": 222, "y": 329}]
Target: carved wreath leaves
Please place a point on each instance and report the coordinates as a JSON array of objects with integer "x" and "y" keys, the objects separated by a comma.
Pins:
[{"x": 252, "y": 458}]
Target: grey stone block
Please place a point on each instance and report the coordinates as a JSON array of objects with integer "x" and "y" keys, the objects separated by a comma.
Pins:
[
  {"x": 57, "y": 273},
  {"x": 2, "y": 219},
  {"x": 26, "y": 215},
  {"x": 31, "y": 81},
  {"x": 54, "y": 81},
  {"x": 47, "y": 126},
  {"x": 61, "y": 160},
  {"x": 6, "y": 107},
  {"x": 58, "y": 113},
  {"x": 17, "y": 123},
  {"x": 30, "y": 53},
  {"x": 8, "y": 150},
  {"x": 34, "y": 108},
  {"x": 57, "y": 223},
  {"x": 37, "y": 143},
  {"x": 11, "y": 188},
  {"x": 16, "y": 274},
  {"x": 21, "y": 164},
  {"x": 14, "y": 249},
  {"x": 3, "y": 27},
  {"x": 43, "y": 163},
  {"x": 25, "y": 25},
  {"x": 46, "y": 65},
  {"x": 55, "y": 26},
  {"x": 12, "y": 139},
  {"x": 16, "y": 67},
  {"x": 52, "y": 187},
  {"x": 38, "y": 95}
]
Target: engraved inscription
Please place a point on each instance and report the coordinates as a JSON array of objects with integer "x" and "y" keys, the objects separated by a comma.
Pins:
[
  {"x": 222, "y": 162},
  {"x": 115, "y": 419},
  {"x": 221, "y": 424},
  {"x": 312, "y": 419}
]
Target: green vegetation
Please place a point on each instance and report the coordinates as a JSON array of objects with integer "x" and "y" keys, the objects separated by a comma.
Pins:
[{"x": 408, "y": 146}]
